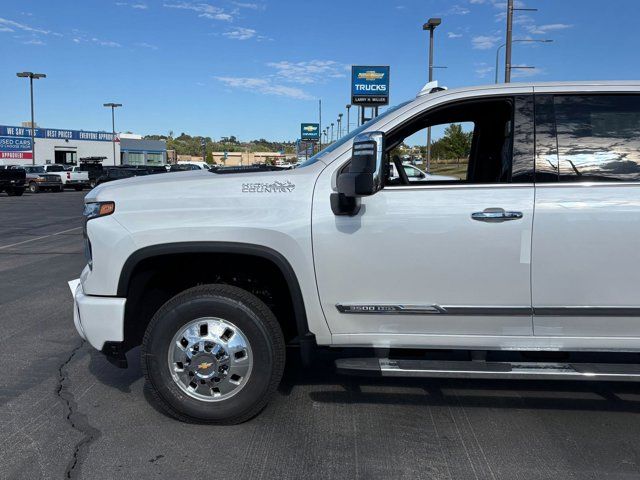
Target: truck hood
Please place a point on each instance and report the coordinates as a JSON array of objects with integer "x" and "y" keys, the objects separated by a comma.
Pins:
[{"x": 188, "y": 189}]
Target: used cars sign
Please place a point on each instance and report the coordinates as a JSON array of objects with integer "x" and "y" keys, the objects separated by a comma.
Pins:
[{"x": 370, "y": 85}]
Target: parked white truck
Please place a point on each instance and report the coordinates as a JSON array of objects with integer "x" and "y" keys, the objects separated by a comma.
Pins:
[
  {"x": 71, "y": 177},
  {"x": 535, "y": 249}
]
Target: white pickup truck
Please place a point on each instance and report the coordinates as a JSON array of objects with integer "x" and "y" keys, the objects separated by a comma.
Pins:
[
  {"x": 534, "y": 249},
  {"x": 71, "y": 177}
]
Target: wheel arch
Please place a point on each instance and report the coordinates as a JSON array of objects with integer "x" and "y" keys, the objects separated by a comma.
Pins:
[{"x": 236, "y": 248}]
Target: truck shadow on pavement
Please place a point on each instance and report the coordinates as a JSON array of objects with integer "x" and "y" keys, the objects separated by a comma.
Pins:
[
  {"x": 496, "y": 394},
  {"x": 322, "y": 385}
]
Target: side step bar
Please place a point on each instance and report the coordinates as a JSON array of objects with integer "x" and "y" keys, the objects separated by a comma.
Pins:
[{"x": 385, "y": 367}]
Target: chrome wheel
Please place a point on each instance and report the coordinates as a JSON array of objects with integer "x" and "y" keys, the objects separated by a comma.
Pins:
[{"x": 210, "y": 359}]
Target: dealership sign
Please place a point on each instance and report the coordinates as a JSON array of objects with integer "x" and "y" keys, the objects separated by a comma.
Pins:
[
  {"x": 54, "y": 133},
  {"x": 310, "y": 132},
  {"x": 15, "y": 148},
  {"x": 370, "y": 85}
]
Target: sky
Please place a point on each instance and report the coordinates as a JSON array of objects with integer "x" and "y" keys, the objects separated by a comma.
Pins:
[{"x": 256, "y": 68}]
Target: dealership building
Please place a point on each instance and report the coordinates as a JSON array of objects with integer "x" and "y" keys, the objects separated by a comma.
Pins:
[{"x": 67, "y": 147}]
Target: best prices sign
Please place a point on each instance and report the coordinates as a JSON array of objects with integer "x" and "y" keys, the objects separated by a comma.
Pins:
[
  {"x": 16, "y": 148},
  {"x": 370, "y": 85}
]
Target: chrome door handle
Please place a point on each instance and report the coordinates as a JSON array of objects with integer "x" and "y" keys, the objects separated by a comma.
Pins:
[{"x": 496, "y": 215}]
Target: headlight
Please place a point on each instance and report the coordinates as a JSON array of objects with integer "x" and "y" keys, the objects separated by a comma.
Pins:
[
  {"x": 98, "y": 209},
  {"x": 94, "y": 210}
]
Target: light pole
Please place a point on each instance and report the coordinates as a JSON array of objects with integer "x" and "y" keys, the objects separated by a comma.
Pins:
[
  {"x": 340, "y": 125},
  {"x": 431, "y": 25},
  {"x": 514, "y": 41},
  {"x": 507, "y": 57},
  {"x": 348, "y": 119},
  {"x": 113, "y": 107},
  {"x": 331, "y": 132},
  {"x": 31, "y": 76}
]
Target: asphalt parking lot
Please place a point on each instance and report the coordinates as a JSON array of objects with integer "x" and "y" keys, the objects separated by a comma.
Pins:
[{"x": 65, "y": 412}]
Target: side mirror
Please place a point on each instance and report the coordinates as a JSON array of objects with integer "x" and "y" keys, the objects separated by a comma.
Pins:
[{"x": 364, "y": 176}]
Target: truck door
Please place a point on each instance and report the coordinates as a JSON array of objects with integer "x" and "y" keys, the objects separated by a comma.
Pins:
[
  {"x": 585, "y": 261},
  {"x": 436, "y": 257}
]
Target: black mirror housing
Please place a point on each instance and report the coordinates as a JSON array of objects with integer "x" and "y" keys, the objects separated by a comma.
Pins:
[{"x": 365, "y": 175}]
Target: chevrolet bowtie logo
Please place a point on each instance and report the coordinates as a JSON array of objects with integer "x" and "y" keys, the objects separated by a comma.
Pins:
[
  {"x": 370, "y": 75},
  {"x": 310, "y": 128},
  {"x": 204, "y": 365}
]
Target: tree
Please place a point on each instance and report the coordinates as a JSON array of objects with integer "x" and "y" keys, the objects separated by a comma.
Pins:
[{"x": 455, "y": 143}]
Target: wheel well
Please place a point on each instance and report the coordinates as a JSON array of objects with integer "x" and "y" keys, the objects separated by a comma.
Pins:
[{"x": 151, "y": 281}]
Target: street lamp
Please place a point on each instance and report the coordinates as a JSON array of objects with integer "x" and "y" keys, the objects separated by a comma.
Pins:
[
  {"x": 32, "y": 76},
  {"x": 507, "y": 56},
  {"x": 348, "y": 118},
  {"x": 340, "y": 125},
  {"x": 431, "y": 25},
  {"x": 113, "y": 107},
  {"x": 534, "y": 40},
  {"x": 332, "y": 132}
]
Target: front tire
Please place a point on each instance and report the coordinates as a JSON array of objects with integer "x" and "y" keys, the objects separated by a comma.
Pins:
[
  {"x": 213, "y": 354},
  {"x": 15, "y": 192},
  {"x": 33, "y": 187}
]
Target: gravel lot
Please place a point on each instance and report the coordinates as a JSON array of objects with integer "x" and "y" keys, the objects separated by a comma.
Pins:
[{"x": 65, "y": 412}]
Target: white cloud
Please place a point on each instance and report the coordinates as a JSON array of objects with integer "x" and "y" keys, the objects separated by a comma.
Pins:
[
  {"x": 485, "y": 42},
  {"x": 204, "y": 10},
  {"x": 240, "y": 33},
  {"x": 10, "y": 25},
  {"x": 265, "y": 86},
  {"x": 146, "y": 45},
  {"x": 482, "y": 69},
  {"x": 454, "y": 35},
  {"x": 526, "y": 72},
  {"x": 137, "y": 6},
  {"x": 34, "y": 41},
  {"x": 478, "y": 2},
  {"x": 105, "y": 43},
  {"x": 313, "y": 71},
  {"x": 551, "y": 27},
  {"x": 250, "y": 6},
  {"x": 458, "y": 10}
]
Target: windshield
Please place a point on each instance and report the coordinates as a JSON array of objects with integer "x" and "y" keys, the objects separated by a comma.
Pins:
[
  {"x": 348, "y": 137},
  {"x": 34, "y": 169}
]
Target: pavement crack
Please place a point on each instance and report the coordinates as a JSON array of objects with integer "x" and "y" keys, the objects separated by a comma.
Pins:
[{"x": 77, "y": 420}]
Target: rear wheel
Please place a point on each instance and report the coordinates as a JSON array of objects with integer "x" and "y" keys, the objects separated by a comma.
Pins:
[
  {"x": 93, "y": 183},
  {"x": 33, "y": 187},
  {"x": 213, "y": 354}
]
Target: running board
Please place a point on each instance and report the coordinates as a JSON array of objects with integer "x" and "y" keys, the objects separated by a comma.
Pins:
[{"x": 385, "y": 367}]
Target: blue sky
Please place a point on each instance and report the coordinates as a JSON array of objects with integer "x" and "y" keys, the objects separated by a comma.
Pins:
[{"x": 255, "y": 68}]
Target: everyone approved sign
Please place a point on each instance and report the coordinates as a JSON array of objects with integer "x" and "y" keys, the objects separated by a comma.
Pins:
[
  {"x": 310, "y": 132},
  {"x": 15, "y": 148},
  {"x": 369, "y": 85}
]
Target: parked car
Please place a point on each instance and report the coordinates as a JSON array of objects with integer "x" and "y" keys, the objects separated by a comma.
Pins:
[
  {"x": 414, "y": 174},
  {"x": 38, "y": 179},
  {"x": 149, "y": 169},
  {"x": 214, "y": 274},
  {"x": 70, "y": 176},
  {"x": 200, "y": 165},
  {"x": 183, "y": 167},
  {"x": 118, "y": 173},
  {"x": 12, "y": 180}
]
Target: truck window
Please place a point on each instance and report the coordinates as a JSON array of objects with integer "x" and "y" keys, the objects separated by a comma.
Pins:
[
  {"x": 471, "y": 142},
  {"x": 598, "y": 138}
]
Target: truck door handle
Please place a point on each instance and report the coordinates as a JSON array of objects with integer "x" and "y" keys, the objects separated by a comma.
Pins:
[{"x": 496, "y": 215}]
